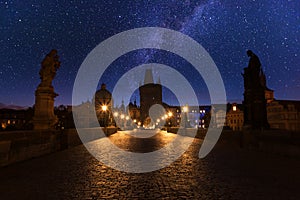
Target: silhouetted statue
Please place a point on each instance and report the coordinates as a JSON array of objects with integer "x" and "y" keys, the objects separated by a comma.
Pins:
[
  {"x": 50, "y": 64},
  {"x": 44, "y": 117},
  {"x": 255, "y": 113},
  {"x": 254, "y": 67}
]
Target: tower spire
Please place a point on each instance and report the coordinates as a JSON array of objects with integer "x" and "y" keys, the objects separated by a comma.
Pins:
[{"x": 148, "y": 77}]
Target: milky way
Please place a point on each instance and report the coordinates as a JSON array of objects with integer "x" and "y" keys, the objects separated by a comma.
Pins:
[{"x": 226, "y": 29}]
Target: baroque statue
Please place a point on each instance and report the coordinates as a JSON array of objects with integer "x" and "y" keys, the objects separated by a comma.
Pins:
[
  {"x": 50, "y": 65},
  {"x": 255, "y": 113},
  {"x": 44, "y": 117}
]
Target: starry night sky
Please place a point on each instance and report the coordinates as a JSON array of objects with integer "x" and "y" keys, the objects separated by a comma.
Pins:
[{"x": 225, "y": 28}]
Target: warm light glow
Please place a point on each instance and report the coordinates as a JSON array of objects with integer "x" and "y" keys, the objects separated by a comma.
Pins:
[
  {"x": 139, "y": 123},
  {"x": 122, "y": 116},
  {"x": 104, "y": 108},
  {"x": 185, "y": 109},
  {"x": 166, "y": 116},
  {"x": 162, "y": 118},
  {"x": 170, "y": 114},
  {"x": 234, "y": 108},
  {"x": 158, "y": 120},
  {"x": 134, "y": 120},
  {"x": 127, "y": 118},
  {"x": 116, "y": 114}
]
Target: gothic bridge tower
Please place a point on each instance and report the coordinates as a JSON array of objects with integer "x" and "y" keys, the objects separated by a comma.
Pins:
[{"x": 150, "y": 94}]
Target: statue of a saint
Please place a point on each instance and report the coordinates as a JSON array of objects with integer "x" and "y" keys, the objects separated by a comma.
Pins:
[
  {"x": 50, "y": 64},
  {"x": 254, "y": 67},
  {"x": 255, "y": 112}
]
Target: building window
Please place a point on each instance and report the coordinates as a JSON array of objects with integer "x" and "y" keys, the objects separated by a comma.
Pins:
[{"x": 234, "y": 108}]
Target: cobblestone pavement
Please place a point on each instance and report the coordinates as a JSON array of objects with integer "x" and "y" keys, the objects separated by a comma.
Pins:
[{"x": 228, "y": 172}]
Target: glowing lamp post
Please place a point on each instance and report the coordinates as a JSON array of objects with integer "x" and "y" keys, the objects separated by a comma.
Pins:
[
  {"x": 169, "y": 115},
  {"x": 122, "y": 120},
  {"x": 104, "y": 109},
  {"x": 116, "y": 114},
  {"x": 185, "y": 109}
]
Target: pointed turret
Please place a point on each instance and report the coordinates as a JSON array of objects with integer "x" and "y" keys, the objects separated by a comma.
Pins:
[
  {"x": 158, "y": 81},
  {"x": 148, "y": 77}
]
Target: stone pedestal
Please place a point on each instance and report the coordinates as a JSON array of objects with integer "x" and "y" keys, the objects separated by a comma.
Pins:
[
  {"x": 44, "y": 117},
  {"x": 255, "y": 111}
]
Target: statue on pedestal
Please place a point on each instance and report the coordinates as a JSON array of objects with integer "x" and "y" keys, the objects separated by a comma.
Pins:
[
  {"x": 255, "y": 112},
  {"x": 44, "y": 117},
  {"x": 50, "y": 65}
]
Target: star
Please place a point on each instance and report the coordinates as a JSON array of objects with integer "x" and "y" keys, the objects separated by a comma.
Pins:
[{"x": 226, "y": 29}]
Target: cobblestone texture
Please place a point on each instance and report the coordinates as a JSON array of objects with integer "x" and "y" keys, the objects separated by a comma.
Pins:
[{"x": 226, "y": 173}]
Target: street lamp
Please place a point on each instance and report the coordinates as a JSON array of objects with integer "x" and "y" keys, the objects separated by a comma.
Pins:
[
  {"x": 185, "y": 109},
  {"x": 116, "y": 120},
  {"x": 104, "y": 109},
  {"x": 122, "y": 120},
  {"x": 116, "y": 114},
  {"x": 169, "y": 116}
]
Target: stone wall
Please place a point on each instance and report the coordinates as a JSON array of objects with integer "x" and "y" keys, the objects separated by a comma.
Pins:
[
  {"x": 17, "y": 146},
  {"x": 278, "y": 142}
]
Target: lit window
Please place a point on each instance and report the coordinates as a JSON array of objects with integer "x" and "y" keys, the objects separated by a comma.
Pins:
[
  {"x": 185, "y": 109},
  {"x": 234, "y": 108}
]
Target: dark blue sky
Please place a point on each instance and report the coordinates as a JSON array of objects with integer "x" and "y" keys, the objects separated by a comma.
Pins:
[{"x": 225, "y": 28}]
